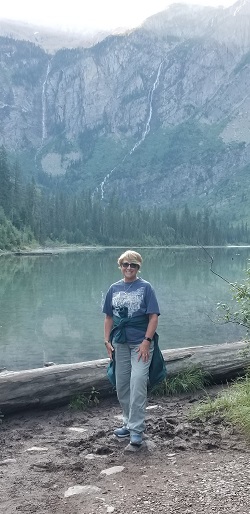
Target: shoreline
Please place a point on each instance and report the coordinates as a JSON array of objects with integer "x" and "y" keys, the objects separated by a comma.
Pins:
[{"x": 52, "y": 250}]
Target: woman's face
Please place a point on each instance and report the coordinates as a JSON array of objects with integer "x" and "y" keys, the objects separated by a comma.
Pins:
[{"x": 129, "y": 270}]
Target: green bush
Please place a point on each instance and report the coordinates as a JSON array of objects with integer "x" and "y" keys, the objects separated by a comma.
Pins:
[
  {"x": 83, "y": 401},
  {"x": 232, "y": 404},
  {"x": 188, "y": 381},
  {"x": 241, "y": 296}
]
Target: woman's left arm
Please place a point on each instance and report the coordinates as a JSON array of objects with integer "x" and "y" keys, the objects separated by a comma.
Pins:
[
  {"x": 152, "y": 325},
  {"x": 108, "y": 325}
]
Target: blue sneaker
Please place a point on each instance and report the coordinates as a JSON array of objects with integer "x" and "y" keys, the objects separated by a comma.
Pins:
[
  {"x": 136, "y": 439},
  {"x": 122, "y": 432}
]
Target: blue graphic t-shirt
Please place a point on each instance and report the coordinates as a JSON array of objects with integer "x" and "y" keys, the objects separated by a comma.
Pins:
[{"x": 129, "y": 299}]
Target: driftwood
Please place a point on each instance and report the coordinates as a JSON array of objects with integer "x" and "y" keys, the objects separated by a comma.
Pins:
[{"x": 57, "y": 384}]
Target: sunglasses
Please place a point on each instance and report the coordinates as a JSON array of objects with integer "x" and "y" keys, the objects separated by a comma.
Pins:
[{"x": 131, "y": 264}]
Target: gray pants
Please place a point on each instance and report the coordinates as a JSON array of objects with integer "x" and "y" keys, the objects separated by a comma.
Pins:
[{"x": 131, "y": 384}]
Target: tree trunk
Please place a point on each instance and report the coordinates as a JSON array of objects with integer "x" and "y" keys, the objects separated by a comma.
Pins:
[{"x": 57, "y": 384}]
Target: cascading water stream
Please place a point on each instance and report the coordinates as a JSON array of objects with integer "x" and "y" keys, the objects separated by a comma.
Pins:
[
  {"x": 44, "y": 114},
  {"x": 44, "y": 109},
  {"x": 145, "y": 132},
  {"x": 151, "y": 94}
]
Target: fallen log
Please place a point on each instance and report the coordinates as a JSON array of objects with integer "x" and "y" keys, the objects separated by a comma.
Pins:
[{"x": 58, "y": 384}]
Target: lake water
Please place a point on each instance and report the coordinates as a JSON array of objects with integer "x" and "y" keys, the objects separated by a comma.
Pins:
[{"x": 51, "y": 306}]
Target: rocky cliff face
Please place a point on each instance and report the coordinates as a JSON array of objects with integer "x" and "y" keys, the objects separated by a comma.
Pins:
[{"x": 160, "y": 114}]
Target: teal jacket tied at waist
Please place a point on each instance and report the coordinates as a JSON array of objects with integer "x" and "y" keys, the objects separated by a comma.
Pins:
[
  {"x": 157, "y": 368},
  {"x": 118, "y": 332}
]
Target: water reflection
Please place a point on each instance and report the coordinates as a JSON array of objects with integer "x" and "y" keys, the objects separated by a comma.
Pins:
[{"x": 50, "y": 306}]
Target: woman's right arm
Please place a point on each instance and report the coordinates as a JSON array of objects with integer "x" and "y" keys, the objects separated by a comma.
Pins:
[{"x": 108, "y": 325}]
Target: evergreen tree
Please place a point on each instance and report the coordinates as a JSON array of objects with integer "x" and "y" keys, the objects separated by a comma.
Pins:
[
  {"x": 5, "y": 183},
  {"x": 17, "y": 197}
]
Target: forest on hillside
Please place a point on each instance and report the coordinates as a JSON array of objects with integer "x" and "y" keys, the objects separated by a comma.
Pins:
[{"x": 33, "y": 214}]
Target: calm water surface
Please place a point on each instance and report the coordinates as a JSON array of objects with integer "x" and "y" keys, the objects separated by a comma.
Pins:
[{"x": 51, "y": 306}]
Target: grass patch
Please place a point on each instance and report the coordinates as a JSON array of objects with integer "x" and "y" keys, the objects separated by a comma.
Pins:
[
  {"x": 83, "y": 401},
  {"x": 233, "y": 404},
  {"x": 189, "y": 381}
]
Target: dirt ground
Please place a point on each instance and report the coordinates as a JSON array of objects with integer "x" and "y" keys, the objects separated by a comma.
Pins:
[{"x": 68, "y": 462}]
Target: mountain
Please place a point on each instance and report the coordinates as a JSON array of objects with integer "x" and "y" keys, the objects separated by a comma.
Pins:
[
  {"x": 158, "y": 115},
  {"x": 50, "y": 39}
]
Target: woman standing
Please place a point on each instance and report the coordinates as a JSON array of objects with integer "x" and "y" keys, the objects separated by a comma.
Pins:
[{"x": 131, "y": 317}]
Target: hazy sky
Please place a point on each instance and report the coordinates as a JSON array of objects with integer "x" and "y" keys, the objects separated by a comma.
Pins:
[{"x": 100, "y": 14}]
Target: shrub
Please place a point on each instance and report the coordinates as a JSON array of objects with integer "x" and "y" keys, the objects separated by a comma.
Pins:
[{"x": 188, "y": 381}]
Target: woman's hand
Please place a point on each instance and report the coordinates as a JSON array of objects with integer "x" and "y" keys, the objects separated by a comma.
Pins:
[
  {"x": 109, "y": 349},
  {"x": 143, "y": 350}
]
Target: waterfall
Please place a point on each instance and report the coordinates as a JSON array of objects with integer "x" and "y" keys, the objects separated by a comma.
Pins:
[
  {"x": 44, "y": 116},
  {"x": 144, "y": 134},
  {"x": 44, "y": 110},
  {"x": 150, "y": 96}
]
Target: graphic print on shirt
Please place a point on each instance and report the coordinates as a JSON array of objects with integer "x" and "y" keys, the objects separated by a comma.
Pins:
[{"x": 132, "y": 301}]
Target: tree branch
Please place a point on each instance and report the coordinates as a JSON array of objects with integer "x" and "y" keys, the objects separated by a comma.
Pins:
[{"x": 211, "y": 268}]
